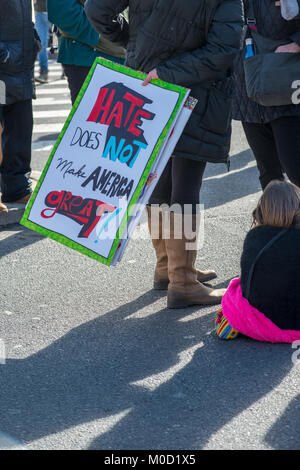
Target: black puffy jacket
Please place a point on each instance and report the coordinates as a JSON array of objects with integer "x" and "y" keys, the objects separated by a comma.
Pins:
[
  {"x": 275, "y": 286},
  {"x": 269, "y": 24},
  {"x": 18, "y": 49},
  {"x": 171, "y": 35}
]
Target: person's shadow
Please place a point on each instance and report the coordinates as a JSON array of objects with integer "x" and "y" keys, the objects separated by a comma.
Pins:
[
  {"x": 221, "y": 187},
  {"x": 172, "y": 388},
  {"x": 285, "y": 433}
]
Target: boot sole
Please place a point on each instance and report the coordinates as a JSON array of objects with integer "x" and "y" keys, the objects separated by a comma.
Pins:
[
  {"x": 208, "y": 278},
  {"x": 40, "y": 80},
  {"x": 163, "y": 285},
  {"x": 157, "y": 285},
  {"x": 173, "y": 304}
]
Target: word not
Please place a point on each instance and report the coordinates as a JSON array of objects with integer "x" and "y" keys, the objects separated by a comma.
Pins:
[
  {"x": 90, "y": 140},
  {"x": 66, "y": 167},
  {"x": 125, "y": 153},
  {"x": 121, "y": 109},
  {"x": 109, "y": 183},
  {"x": 86, "y": 212}
]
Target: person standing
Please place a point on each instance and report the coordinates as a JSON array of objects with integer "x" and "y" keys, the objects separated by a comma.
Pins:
[
  {"x": 42, "y": 27},
  {"x": 19, "y": 46},
  {"x": 193, "y": 44},
  {"x": 273, "y": 132},
  {"x": 80, "y": 43},
  {"x": 3, "y": 207}
]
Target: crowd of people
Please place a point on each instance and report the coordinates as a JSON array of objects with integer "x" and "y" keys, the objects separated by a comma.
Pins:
[{"x": 200, "y": 45}]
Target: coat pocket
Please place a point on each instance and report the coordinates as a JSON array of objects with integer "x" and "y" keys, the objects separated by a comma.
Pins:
[{"x": 218, "y": 114}]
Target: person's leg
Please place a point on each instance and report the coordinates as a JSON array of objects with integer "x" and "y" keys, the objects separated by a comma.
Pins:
[
  {"x": 42, "y": 27},
  {"x": 163, "y": 189},
  {"x": 161, "y": 195},
  {"x": 261, "y": 140},
  {"x": 76, "y": 76},
  {"x": 187, "y": 176},
  {"x": 185, "y": 286},
  {"x": 16, "y": 145},
  {"x": 3, "y": 207},
  {"x": 286, "y": 132}
]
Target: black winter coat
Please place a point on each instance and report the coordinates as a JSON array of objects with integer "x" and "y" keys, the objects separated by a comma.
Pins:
[
  {"x": 275, "y": 287},
  {"x": 18, "y": 49},
  {"x": 170, "y": 35},
  {"x": 269, "y": 24}
]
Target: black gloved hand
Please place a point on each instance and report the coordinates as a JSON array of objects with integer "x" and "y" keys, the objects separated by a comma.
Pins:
[{"x": 4, "y": 53}]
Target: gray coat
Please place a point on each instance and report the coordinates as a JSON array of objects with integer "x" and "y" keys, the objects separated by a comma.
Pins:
[
  {"x": 269, "y": 24},
  {"x": 171, "y": 35},
  {"x": 18, "y": 49}
]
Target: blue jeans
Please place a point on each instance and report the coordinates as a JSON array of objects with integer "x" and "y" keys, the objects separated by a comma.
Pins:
[{"x": 42, "y": 27}]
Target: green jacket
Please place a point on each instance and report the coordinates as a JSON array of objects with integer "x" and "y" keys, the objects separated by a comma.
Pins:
[{"x": 69, "y": 16}]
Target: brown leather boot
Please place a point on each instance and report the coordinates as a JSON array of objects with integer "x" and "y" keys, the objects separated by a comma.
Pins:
[
  {"x": 184, "y": 288},
  {"x": 161, "y": 275},
  {"x": 161, "y": 278},
  {"x": 3, "y": 207}
]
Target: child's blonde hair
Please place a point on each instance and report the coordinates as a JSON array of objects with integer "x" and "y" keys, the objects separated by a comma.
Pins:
[{"x": 279, "y": 206}]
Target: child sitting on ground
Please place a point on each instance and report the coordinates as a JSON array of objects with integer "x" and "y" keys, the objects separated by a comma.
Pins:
[{"x": 264, "y": 303}]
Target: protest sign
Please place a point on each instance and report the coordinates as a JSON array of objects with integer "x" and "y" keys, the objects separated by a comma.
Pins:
[{"x": 117, "y": 134}]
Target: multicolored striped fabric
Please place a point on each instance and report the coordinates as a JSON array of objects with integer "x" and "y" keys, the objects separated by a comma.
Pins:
[{"x": 223, "y": 328}]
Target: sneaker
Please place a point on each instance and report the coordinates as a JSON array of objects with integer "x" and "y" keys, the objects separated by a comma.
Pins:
[{"x": 43, "y": 77}]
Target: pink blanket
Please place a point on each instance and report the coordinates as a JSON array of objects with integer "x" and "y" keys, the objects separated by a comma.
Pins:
[{"x": 249, "y": 321}]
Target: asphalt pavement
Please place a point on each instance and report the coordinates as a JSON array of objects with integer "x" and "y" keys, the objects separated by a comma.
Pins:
[{"x": 95, "y": 360}]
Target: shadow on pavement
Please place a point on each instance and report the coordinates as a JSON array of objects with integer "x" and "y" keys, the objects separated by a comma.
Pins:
[
  {"x": 47, "y": 137},
  {"x": 174, "y": 389},
  {"x": 20, "y": 238},
  {"x": 220, "y": 187},
  {"x": 285, "y": 434}
]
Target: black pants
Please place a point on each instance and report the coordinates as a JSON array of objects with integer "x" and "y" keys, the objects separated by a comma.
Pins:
[
  {"x": 17, "y": 122},
  {"x": 276, "y": 147},
  {"x": 180, "y": 183},
  {"x": 76, "y": 75}
]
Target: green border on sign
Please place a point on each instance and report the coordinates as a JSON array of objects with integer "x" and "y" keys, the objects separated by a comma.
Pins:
[{"x": 62, "y": 238}]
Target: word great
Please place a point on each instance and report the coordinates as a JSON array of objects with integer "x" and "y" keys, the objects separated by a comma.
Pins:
[{"x": 86, "y": 212}]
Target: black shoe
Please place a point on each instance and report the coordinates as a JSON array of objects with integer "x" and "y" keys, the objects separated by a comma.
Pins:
[{"x": 43, "y": 77}]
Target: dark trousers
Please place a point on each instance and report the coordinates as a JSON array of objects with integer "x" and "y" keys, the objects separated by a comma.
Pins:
[
  {"x": 17, "y": 122},
  {"x": 180, "y": 183},
  {"x": 76, "y": 75},
  {"x": 276, "y": 147}
]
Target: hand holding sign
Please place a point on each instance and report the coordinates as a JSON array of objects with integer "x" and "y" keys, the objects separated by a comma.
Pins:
[{"x": 151, "y": 76}]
